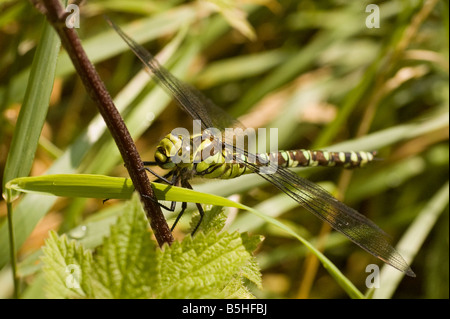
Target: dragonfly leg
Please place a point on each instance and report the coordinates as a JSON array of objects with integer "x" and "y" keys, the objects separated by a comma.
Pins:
[
  {"x": 186, "y": 184},
  {"x": 162, "y": 178},
  {"x": 172, "y": 205},
  {"x": 202, "y": 213},
  {"x": 171, "y": 208},
  {"x": 183, "y": 208},
  {"x": 159, "y": 177}
]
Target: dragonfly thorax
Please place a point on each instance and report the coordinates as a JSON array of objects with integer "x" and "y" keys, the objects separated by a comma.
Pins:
[{"x": 199, "y": 153}]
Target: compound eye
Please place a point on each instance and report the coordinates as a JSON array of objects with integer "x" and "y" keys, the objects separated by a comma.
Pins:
[{"x": 160, "y": 156}]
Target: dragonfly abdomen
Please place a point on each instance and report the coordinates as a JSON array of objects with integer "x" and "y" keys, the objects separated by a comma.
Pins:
[
  {"x": 308, "y": 158},
  {"x": 221, "y": 169}
]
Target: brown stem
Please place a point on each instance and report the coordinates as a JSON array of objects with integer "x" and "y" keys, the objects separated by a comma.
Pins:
[{"x": 96, "y": 89}]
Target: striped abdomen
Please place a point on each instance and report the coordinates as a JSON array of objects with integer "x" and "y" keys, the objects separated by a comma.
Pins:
[
  {"x": 296, "y": 158},
  {"x": 305, "y": 158}
]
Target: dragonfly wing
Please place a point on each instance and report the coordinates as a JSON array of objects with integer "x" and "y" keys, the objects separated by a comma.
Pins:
[
  {"x": 342, "y": 218},
  {"x": 192, "y": 101}
]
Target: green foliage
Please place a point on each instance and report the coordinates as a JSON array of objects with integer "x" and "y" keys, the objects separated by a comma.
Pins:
[
  {"x": 66, "y": 263},
  {"x": 129, "y": 263}
]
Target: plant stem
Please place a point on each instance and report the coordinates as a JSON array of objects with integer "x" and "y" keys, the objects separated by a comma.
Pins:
[
  {"x": 12, "y": 248},
  {"x": 96, "y": 89}
]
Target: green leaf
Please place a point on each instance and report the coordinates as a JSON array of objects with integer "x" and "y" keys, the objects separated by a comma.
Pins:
[
  {"x": 201, "y": 265},
  {"x": 213, "y": 220},
  {"x": 251, "y": 270},
  {"x": 235, "y": 289},
  {"x": 121, "y": 268},
  {"x": 67, "y": 268},
  {"x": 125, "y": 264},
  {"x": 130, "y": 264}
]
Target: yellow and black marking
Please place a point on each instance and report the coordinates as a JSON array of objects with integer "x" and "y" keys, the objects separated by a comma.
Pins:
[{"x": 307, "y": 158}]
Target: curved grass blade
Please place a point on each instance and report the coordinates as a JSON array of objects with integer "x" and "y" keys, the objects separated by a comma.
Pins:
[
  {"x": 102, "y": 187},
  {"x": 75, "y": 185},
  {"x": 34, "y": 109}
]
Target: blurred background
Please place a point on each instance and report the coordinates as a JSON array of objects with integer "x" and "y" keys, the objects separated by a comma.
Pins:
[{"x": 329, "y": 75}]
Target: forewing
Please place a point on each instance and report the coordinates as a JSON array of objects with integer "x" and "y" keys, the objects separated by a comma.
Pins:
[
  {"x": 342, "y": 218},
  {"x": 189, "y": 99}
]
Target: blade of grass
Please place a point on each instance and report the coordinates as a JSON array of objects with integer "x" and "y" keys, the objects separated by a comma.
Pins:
[
  {"x": 240, "y": 67},
  {"x": 34, "y": 109},
  {"x": 29, "y": 125}
]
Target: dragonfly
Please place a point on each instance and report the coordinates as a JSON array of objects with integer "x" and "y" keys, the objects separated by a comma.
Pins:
[{"x": 232, "y": 161}]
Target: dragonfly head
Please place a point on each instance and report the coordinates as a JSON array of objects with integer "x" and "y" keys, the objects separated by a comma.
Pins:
[{"x": 172, "y": 149}]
